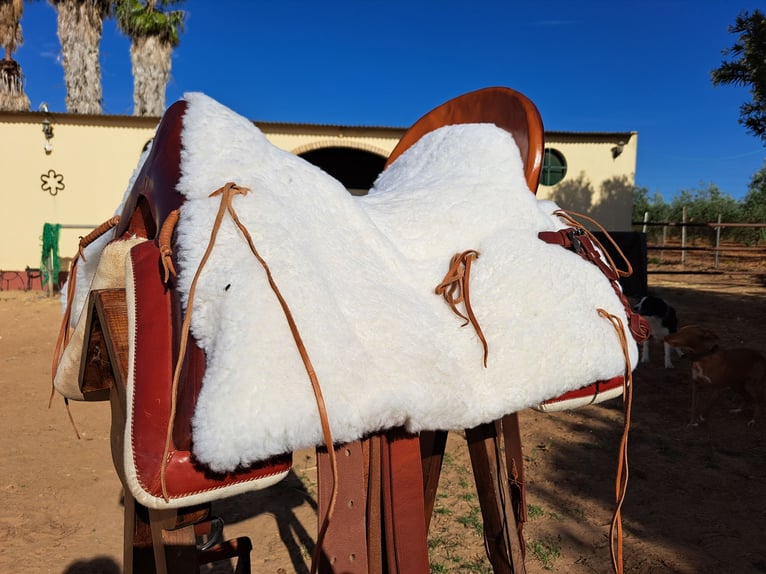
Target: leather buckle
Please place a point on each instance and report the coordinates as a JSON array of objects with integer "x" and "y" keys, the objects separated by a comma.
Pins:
[{"x": 575, "y": 243}]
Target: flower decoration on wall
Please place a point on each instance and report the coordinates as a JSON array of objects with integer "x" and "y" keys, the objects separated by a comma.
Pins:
[{"x": 52, "y": 182}]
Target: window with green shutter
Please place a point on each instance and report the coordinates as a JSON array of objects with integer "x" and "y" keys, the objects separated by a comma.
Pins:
[{"x": 554, "y": 167}]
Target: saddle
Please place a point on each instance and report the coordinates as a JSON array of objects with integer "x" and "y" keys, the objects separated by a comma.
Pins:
[{"x": 165, "y": 374}]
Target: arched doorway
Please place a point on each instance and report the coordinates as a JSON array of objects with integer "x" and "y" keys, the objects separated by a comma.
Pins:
[{"x": 355, "y": 168}]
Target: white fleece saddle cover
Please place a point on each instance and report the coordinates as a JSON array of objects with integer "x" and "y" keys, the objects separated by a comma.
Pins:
[{"x": 359, "y": 274}]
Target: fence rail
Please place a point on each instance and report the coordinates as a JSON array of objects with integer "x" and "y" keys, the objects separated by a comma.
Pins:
[{"x": 751, "y": 259}]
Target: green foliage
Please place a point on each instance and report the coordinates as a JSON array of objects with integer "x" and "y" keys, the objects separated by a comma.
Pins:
[
  {"x": 534, "y": 511},
  {"x": 754, "y": 205},
  {"x": 138, "y": 19},
  {"x": 747, "y": 67},
  {"x": 646, "y": 208},
  {"x": 655, "y": 205},
  {"x": 546, "y": 551},
  {"x": 473, "y": 520},
  {"x": 705, "y": 205}
]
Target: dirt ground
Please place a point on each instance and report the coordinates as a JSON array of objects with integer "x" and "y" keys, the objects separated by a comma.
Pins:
[{"x": 695, "y": 503}]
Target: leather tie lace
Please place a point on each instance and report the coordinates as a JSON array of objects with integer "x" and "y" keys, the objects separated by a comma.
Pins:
[
  {"x": 454, "y": 289},
  {"x": 583, "y": 242},
  {"x": 621, "y": 482},
  {"x": 227, "y": 193}
]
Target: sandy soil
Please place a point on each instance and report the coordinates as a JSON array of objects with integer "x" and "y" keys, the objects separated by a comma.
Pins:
[{"x": 695, "y": 501}]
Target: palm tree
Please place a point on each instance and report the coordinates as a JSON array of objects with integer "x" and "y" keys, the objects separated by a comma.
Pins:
[
  {"x": 12, "y": 96},
  {"x": 79, "y": 29},
  {"x": 154, "y": 32}
]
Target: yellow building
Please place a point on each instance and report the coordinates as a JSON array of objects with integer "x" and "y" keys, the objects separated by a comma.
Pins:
[{"x": 72, "y": 170}]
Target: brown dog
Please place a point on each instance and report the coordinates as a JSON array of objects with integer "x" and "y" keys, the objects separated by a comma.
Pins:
[{"x": 741, "y": 370}]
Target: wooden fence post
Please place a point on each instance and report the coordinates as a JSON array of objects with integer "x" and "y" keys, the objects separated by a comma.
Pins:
[
  {"x": 717, "y": 240},
  {"x": 683, "y": 236},
  {"x": 51, "y": 284}
]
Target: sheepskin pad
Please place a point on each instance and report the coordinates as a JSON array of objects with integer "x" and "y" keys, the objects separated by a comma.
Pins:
[
  {"x": 106, "y": 270},
  {"x": 102, "y": 266},
  {"x": 359, "y": 273}
]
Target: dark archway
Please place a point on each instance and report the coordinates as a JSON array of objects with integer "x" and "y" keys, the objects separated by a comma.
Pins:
[{"x": 356, "y": 169}]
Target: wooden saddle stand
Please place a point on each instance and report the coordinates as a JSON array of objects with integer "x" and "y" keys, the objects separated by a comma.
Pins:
[{"x": 387, "y": 483}]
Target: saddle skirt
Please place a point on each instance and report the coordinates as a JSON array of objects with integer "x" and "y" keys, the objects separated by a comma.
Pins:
[{"x": 359, "y": 276}]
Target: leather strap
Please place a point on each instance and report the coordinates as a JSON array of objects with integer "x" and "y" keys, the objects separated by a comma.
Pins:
[
  {"x": 374, "y": 505},
  {"x": 514, "y": 461},
  {"x": 344, "y": 548},
  {"x": 432, "y": 447},
  {"x": 403, "y": 506},
  {"x": 377, "y": 524}
]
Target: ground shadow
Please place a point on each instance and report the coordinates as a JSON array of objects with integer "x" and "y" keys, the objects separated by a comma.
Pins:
[
  {"x": 692, "y": 490},
  {"x": 99, "y": 565},
  {"x": 280, "y": 501}
]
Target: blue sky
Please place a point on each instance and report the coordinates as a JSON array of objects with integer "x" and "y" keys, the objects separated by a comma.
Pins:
[{"x": 620, "y": 65}]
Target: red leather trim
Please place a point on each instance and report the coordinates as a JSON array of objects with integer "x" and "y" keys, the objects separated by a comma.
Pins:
[
  {"x": 152, "y": 379},
  {"x": 154, "y": 193},
  {"x": 594, "y": 389}
]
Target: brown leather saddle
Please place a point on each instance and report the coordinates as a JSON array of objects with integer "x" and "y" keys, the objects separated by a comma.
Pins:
[{"x": 386, "y": 483}]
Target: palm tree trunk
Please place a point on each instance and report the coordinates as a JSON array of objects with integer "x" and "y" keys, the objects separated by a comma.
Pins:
[
  {"x": 151, "y": 60},
  {"x": 10, "y": 27},
  {"x": 80, "y": 24},
  {"x": 12, "y": 96}
]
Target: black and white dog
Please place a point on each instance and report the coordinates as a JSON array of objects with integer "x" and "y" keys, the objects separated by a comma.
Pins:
[{"x": 662, "y": 321}]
